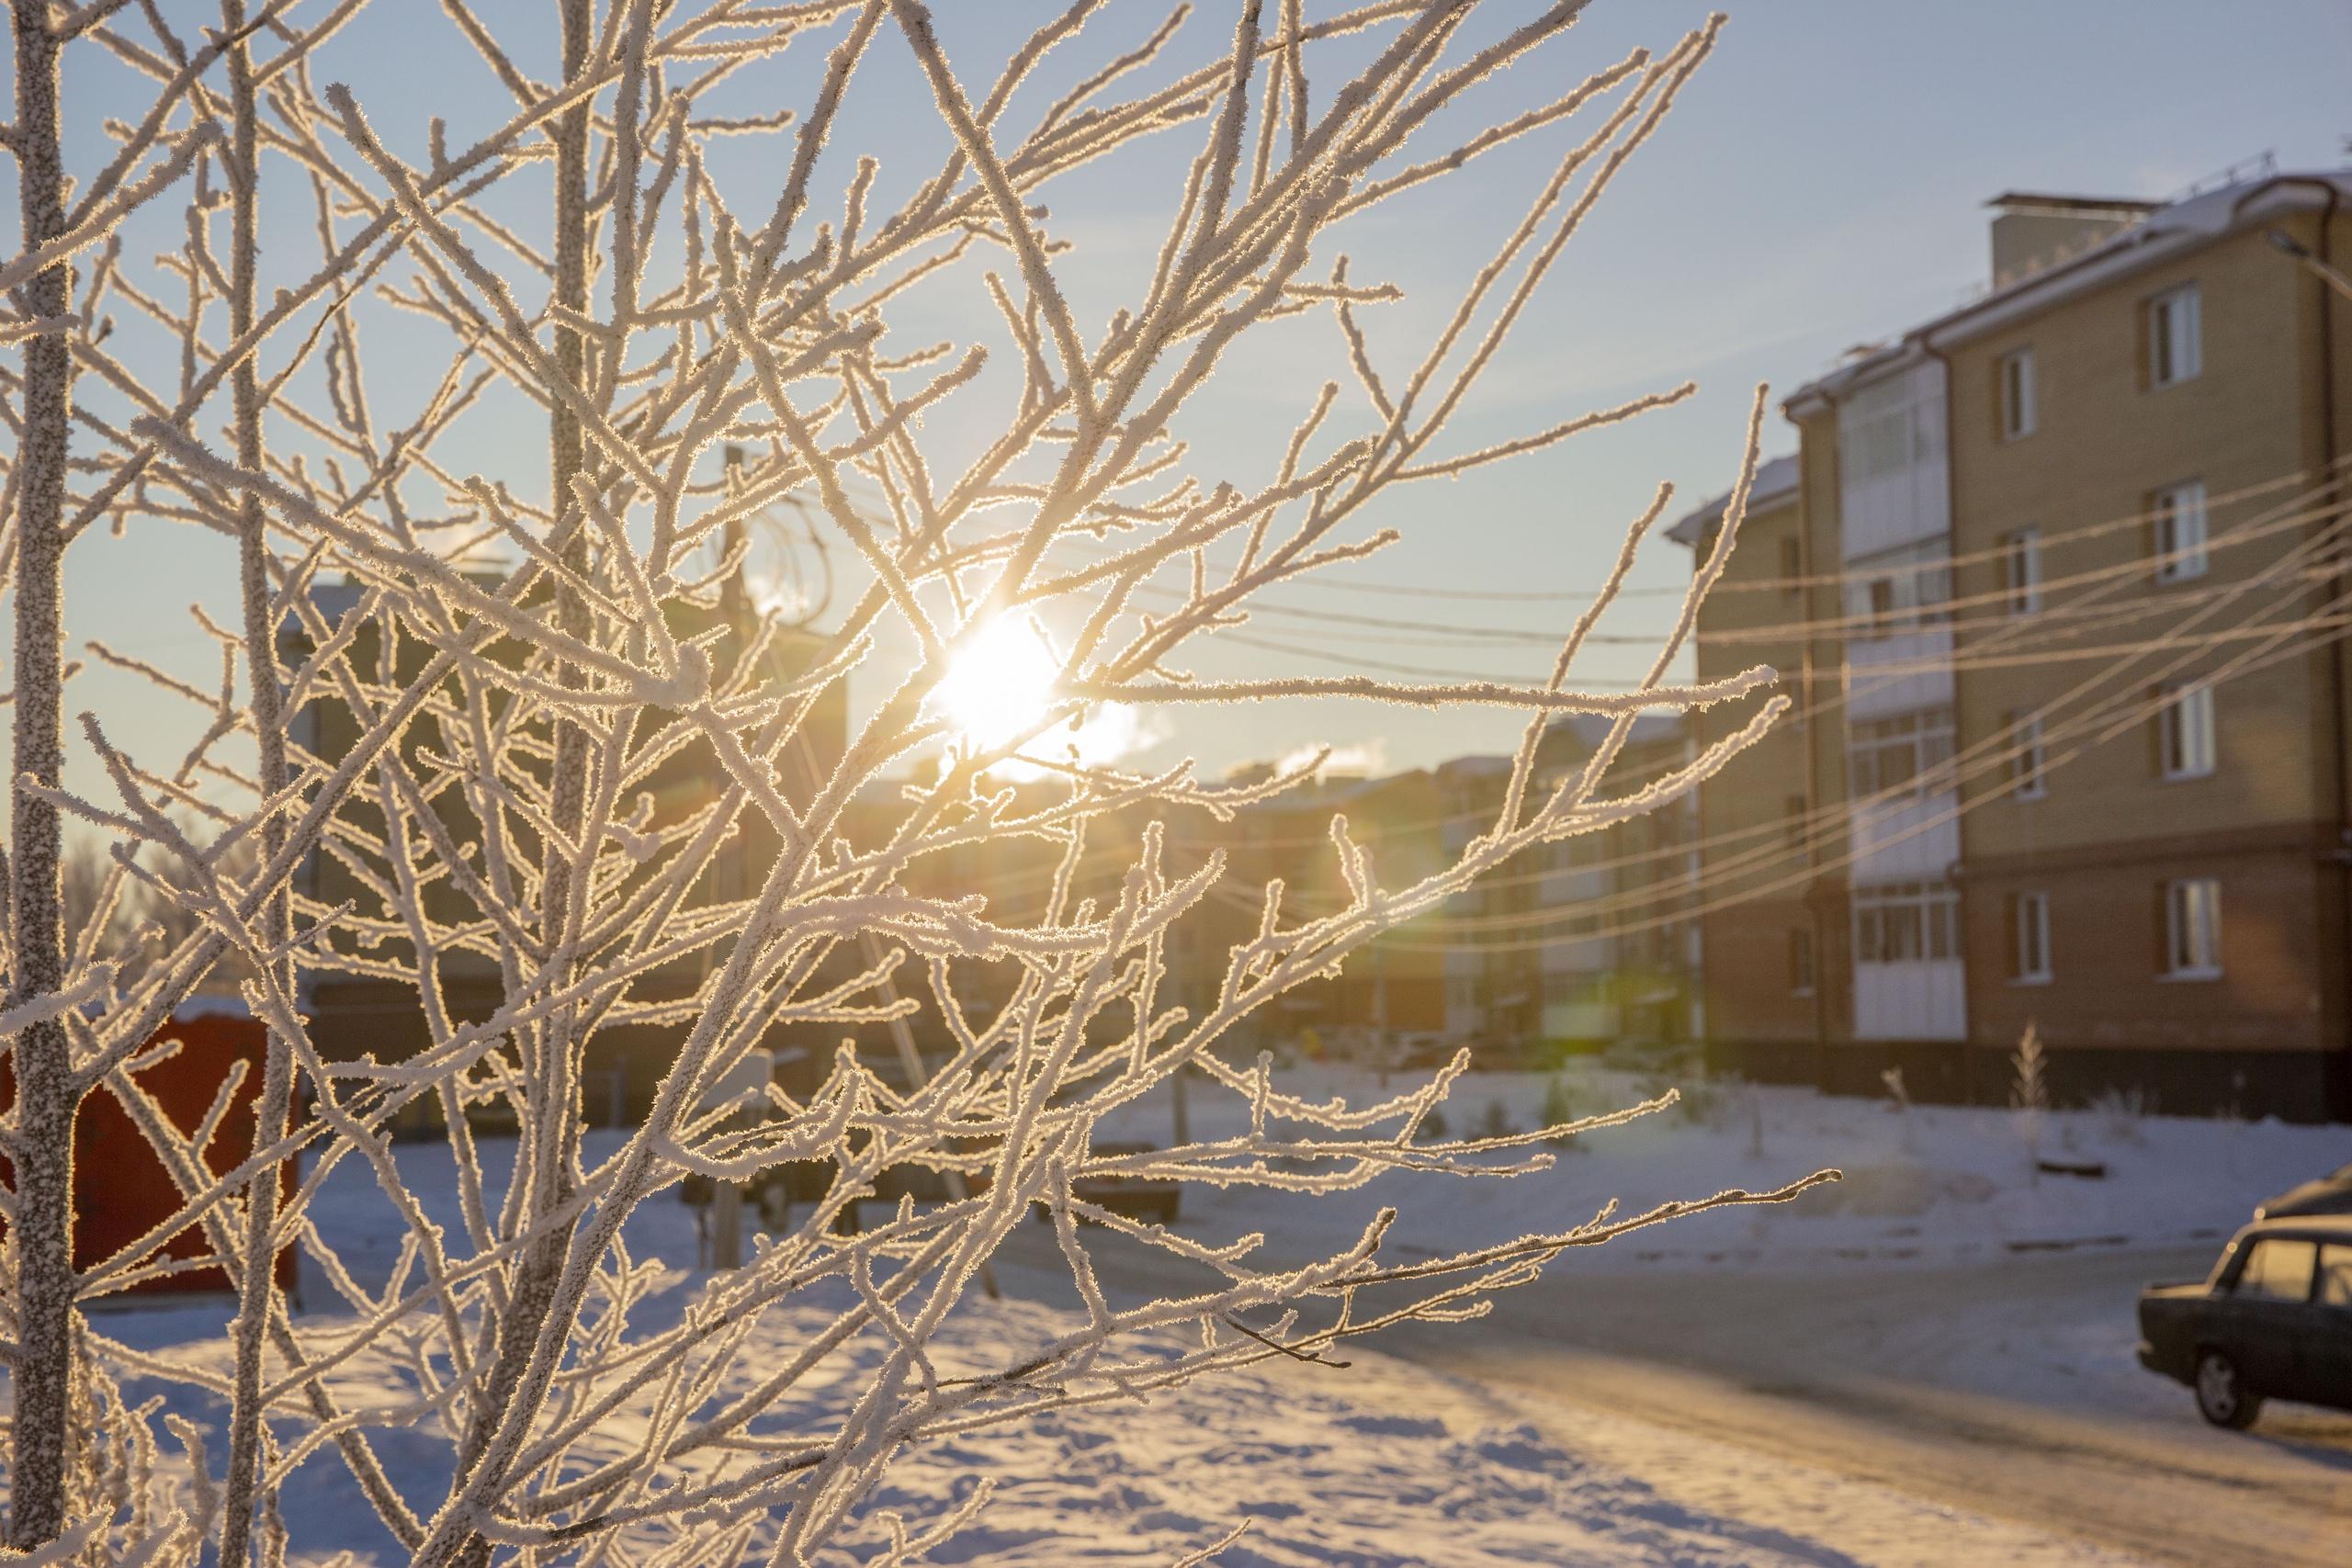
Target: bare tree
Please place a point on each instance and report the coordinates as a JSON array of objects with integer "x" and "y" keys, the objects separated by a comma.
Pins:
[{"x": 494, "y": 809}]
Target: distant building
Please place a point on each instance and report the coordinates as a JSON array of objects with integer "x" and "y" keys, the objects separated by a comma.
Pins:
[
  {"x": 1615, "y": 948},
  {"x": 2057, "y": 586},
  {"x": 357, "y": 993},
  {"x": 1577, "y": 944},
  {"x": 1759, "y": 931},
  {"x": 1565, "y": 947}
]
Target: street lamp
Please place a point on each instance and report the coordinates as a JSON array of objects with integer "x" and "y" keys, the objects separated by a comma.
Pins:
[{"x": 2286, "y": 242}]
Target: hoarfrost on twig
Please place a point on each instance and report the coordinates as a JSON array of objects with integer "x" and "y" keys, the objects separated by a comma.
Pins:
[{"x": 493, "y": 829}]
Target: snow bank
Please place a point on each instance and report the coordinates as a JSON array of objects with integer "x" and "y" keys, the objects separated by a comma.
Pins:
[
  {"x": 1375, "y": 1465},
  {"x": 1370, "y": 1465},
  {"x": 1930, "y": 1184}
]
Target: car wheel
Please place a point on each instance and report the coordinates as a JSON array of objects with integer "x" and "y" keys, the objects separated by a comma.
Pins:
[{"x": 2222, "y": 1397}]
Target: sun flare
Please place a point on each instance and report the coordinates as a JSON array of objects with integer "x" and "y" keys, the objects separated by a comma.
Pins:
[{"x": 1000, "y": 684}]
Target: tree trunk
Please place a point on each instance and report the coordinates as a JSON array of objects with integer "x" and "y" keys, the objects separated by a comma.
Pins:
[
  {"x": 546, "y": 1152},
  {"x": 43, "y": 1376},
  {"x": 256, "y": 1305}
]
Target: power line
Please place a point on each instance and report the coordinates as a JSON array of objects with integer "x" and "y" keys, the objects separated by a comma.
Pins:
[
  {"x": 1825, "y": 815},
  {"x": 2147, "y": 706},
  {"x": 1883, "y": 622},
  {"x": 1816, "y": 820}
]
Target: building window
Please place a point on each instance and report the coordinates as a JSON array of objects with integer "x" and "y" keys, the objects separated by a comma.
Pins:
[
  {"x": 2029, "y": 763},
  {"x": 2192, "y": 928},
  {"x": 2017, "y": 393},
  {"x": 2184, "y": 737},
  {"x": 1899, "y": 591},
  {"x": 1894, "y": 424},
  {"x": 1801, "y": 961},
  {"x": 2177, "y": 514},
  {"x": 2175, "y": 346},
  {"x": 1793, "y": 815},
  {"x": 2030, "y": 938},
  {"x": 1905, "y": 922},
  {"x": 1791, "y": 566},
  {"x": 1898, "y": 755},
  {"x": 2021, "y": 572}
]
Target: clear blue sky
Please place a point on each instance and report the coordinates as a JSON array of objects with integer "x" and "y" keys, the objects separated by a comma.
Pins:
[{"x": 1820, "y": 184}]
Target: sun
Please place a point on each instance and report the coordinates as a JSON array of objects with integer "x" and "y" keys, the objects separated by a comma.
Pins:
[{"x": 1000, "y": 686}]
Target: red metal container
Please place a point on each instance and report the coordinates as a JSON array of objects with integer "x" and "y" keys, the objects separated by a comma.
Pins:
[{"x": 121, "y": 1190}]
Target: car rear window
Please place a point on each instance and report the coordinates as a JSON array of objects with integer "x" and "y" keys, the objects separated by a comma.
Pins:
[
  {"x": 2336, "y": 1277},
  {"x": 2280, "y": 1268}
]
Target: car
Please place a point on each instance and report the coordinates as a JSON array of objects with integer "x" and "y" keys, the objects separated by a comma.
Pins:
[
  {"x": 2272, "y": 1320},
  {"x": 2330, "y": 1194}
]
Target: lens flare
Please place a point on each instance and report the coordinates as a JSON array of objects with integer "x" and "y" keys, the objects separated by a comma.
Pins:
[{"x": 1000, "y": 684}]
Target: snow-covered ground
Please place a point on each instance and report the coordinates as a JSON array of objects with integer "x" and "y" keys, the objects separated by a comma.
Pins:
[
  {"x": 1377, "y": 1465},
  {"x": 1389, "y": 1463},
  {"x": 1926, "y": 1185}
]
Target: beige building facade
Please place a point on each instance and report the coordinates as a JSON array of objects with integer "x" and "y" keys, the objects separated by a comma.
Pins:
[
  {"x": 2071, "y": 666},
  {"x": 1760, "y": 936}
]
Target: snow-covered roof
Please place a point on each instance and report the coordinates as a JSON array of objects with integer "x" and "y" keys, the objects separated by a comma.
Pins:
[
  {"x": 1774, "y": 479},
  {"x": 2060, "y": 201},
  {"x": 2167, "y": 232},
  {"x": 1477, "y": 765}
]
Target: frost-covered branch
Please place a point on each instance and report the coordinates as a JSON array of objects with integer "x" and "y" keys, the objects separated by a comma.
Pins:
[{"x": 542, "y": 745}]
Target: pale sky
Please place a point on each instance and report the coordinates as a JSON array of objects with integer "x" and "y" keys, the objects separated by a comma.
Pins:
[{"x": 1820, "y": 184}]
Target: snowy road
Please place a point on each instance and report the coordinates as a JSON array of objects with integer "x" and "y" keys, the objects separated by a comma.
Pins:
[{"x": 2003, "y": 1390}]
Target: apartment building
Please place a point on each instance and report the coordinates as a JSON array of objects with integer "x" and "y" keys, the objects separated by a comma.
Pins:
[
  {"x": 1612, "y": 945},
  {"x": 2065, "y": 633},
  {"x": 1754, "y": 916},
  {"x": 1575, "y": 944}
]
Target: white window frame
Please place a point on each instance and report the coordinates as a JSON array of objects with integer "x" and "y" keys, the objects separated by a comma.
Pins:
[
  {"x": 1898, "y": 591},
  {"x": 2021, "y": 570},
  {"x": 1927, "y": 734},
  {"x": 2176, "y": 336},
  {"x": 2193, "y": 928},
  {"x": 1906, "y": 922},
  {"x": 1888, "y": 427},
  {"x": 2029, "y": 918},
  {"x": 2188, "y": 741},
  {"x": 2019, "y": 395},
  {"x": 2030, "y": 764},
  {"x": 2179, "y": 531}
]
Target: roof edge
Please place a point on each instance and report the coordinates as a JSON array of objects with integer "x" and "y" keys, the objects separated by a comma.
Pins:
[
  {"x": 1776, "y": 478},
  {"x": 2198, "y": 221}
]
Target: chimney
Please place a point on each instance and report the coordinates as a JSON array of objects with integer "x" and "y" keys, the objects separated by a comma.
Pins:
[{"x": 2032, "y": 230}]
